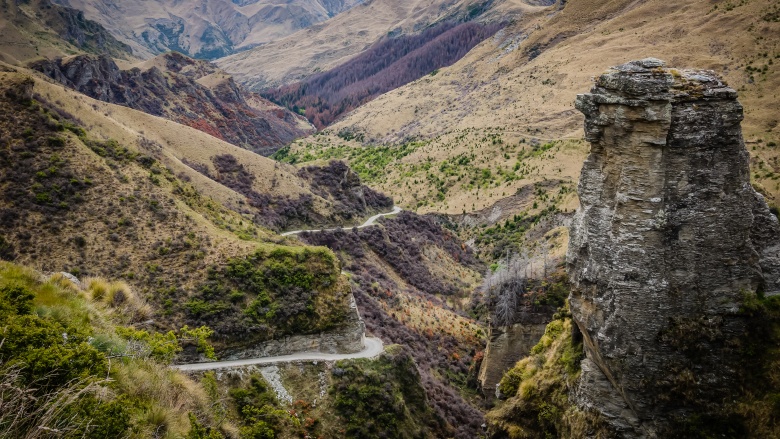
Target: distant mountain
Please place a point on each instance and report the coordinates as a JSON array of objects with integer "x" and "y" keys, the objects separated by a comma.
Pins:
[
  {"x": 192, "y": 92},
  {"x": 387, "y": 65},
  {"x": 31, "y": 29},
  {"x": 329, "y": 44},
  {"x": 206, "y": 29}
]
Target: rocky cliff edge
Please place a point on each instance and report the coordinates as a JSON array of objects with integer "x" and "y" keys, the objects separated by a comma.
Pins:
[{"x": 669, "y": 241}]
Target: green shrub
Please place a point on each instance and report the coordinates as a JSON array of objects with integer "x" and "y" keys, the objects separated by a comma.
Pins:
[
  {"x": 382, "y": 397},
  {"x": 285, "y": 291},
  {"x": 198, "y": 431},
  {"x": 259, "y": 410},
  {"x": 537, "y": 387}
]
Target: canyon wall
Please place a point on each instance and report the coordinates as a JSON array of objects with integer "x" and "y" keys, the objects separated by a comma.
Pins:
[
  {"x": 506, "y": 346},
  {"x": 187, "y": 91},
  {"x": 669, "y": 242}
]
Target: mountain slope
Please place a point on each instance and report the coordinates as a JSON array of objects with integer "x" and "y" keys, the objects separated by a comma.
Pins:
[
  {"x": 393, "y": 62},
  {"x": 108, "y": 193},
  {"x": 187, "y": 91},
  {"x": 76, "y": 364},
  {"x": 35, "y": 28},
  {"x": 502, "y": 106},
  {"x": 329, "y": 44},
  {"x": 207, "y": 29},
  {"x": 169, "y": 210},
  {"x": 412, "y": 280}
]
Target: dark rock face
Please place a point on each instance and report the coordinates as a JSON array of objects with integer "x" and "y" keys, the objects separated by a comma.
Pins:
[
  {"x": 88, "y": 35},
  {"x": 506, "y": 346},
  {"x": 178, "y": 93},
  {"x": 669, "y": 237}
]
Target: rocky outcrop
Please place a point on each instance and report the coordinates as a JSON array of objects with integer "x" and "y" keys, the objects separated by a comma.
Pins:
[
  {"x": 347, "y": 339},
  {"x": 339, "y": 184},
  {"x": 205, "y": 29},
  {"x": 669, "y": 240},
  {"x": 187, "y": 91},
  {"x": 506, "y": 346}
]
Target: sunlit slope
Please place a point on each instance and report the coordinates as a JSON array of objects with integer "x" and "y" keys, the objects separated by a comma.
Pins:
[
  {"x": 522, "y": 84},
  {"x": 328, "y": 44}
]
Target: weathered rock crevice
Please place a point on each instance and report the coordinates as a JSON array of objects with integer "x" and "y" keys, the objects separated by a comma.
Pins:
[
  {"x": 669, "y": 238},
  {"x": 505, "y": 347}
]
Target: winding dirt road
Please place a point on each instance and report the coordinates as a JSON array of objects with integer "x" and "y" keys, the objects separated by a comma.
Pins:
[
  {"x": 369, "y": 222},
  {"x": 373, "y": 347}
]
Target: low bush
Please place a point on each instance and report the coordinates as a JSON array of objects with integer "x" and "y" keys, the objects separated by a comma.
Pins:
[
  {"x": 68, "y": 370},
  {"x": 536, "y": 389},
  {"x": 272, "y": 293},
  {"x": 383, "y": 398}
]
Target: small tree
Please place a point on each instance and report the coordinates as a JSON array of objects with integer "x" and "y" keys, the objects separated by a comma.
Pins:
[{"x": 505, "y": 288}]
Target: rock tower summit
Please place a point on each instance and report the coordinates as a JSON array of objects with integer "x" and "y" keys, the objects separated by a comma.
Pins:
[{"x": 669, "y": 238}]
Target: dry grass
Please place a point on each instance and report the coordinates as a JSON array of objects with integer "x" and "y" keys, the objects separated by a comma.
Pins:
[
  {"x": 117, "y": 297},
  {"x": 129, "y": 127},
  {"x": 497, "y": 86},
  {"x": 162, "y": 397},
  {"x": 574, "y": 45},
  {"x": 410, "y": 180},
  {"x": 172, "y": 396},
  {"x": 425, "y": 317},
  {"x": 333, "y": 42},
  {"x": 17, "y": 33},
  {"x": 25, "y": 416}
]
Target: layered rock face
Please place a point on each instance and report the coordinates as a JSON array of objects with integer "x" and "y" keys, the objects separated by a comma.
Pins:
[
  {"x": 506, "y": 346},
  {"x": 184, "y": 90},
  {"x": 347, "y": 339},
  {"x": 669, "y": 238}
]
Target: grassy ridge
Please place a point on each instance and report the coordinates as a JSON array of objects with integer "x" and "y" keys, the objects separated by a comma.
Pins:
[
  {"x": 74, "y": 201},
  {"x": 73, "y": 369}
]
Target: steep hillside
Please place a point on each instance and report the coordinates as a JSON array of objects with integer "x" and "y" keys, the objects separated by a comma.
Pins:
[
  {"x": 74, "y": 363},
  {"x": 95, "y": 197},
  {"x": 512, "y": 98},
  {"x": 108, "y": 193},
  {"x": 413, "y": 281},
  {"x": 387, "y": 65},
  {"x": 460, "y": 172},
  {"x": 362, "y": 398},
  {"x": 206, "y": 29},
  {"x": 36, "y": 28},
  {"x": 191, "y": 92},
  {"x": 262, "y": 190},
  {"x": 332, "y": 43}
]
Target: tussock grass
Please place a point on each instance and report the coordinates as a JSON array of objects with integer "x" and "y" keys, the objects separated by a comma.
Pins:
[
  {"x": 25, "y": 416},
  {"x": 157, "y": 399},
  {"x": 117, "y": 296}
]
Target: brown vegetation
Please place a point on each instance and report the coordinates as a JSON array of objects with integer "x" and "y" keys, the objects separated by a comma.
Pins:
[
  {"x": 404, "y": 299},
  {"x": 389, "y": 64},
  {"x": 187, "y": 91}
]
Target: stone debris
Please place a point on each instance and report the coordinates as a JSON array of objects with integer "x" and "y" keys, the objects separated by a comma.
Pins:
[{"x": 272, "y": 377}]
